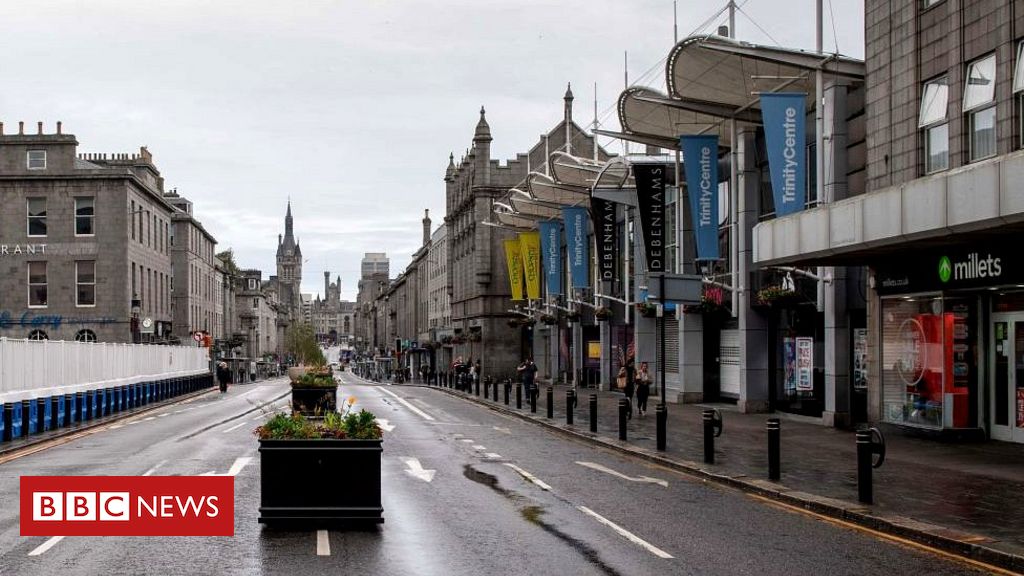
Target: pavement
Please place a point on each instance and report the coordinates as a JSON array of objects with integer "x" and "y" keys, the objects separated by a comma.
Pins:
[
  {"x": 965, "y": 498},
  {"x": 466, "y": 490}
]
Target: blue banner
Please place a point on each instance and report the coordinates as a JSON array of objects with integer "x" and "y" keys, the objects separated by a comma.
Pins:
[
  {"x": 551, "y": 254},
  {"x": 576, "y": 220},
  {"x": 700, "y": 160},
  {"x": 784, "y": 115}
]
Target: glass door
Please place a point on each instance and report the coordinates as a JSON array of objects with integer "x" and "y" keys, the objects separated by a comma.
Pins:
[{"x": 1007, "y": 398}]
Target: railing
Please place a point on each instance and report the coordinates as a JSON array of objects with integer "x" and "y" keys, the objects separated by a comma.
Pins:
[{"x": 41, "y": 367}]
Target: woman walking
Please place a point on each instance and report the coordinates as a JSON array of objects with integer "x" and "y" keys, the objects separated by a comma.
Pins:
[{"x": 643, "y": 388}]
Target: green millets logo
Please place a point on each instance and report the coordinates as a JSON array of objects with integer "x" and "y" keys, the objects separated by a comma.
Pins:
[{"x": 945, "y": 269}]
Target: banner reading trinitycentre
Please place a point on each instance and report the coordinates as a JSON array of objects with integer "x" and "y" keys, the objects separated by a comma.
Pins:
[
  {"x": 576, "y": 245},
  {"x": 515, "y": 268},
  {"x": 784, "y": 115},
  {"x": 605, "y": 237},
  {"x": 551, "y": 250},
  {"x": 529, "y": 244},
  {"x": 650, "y": 195},
  {"x": 700, "y": 160}
]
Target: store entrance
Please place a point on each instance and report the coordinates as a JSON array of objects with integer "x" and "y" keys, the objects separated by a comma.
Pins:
[{"x": 1007, "y": 398}]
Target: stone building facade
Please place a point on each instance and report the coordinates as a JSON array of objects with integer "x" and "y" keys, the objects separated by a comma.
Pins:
[
  {"x": 196, "y": 301},
  {"x": 82, "y": 239}
]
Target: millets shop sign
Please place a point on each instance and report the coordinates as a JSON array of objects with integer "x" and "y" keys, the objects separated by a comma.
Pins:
[{"x": 952, "y": 269}]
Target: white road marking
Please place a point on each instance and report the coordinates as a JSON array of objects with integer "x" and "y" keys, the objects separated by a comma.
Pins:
[
  {"x": 385, "y": 425},
  {"x": 235, "y": 427},
  {"x": 407, "y": 405},
  {"x": 323, "y": 543},
  {"x": 540, "y": 483},
  {"x": 467, "y": 440},
  {"x": 503, "y": 430},
  {"x": 149, "y": 418},
  {"x": 648, "y": 479},
  {"x": 492, "y": 455},
  {"x": 153, "y": 469},
  {"x": 178, "y": 411},
  {"x": 416, "y": 470},
  {"x": 625, "y": 533},
  {"x": 479, "y": 447},
  {"x": 116, "y": 426},
  {"x": 164, "y": 414},
  {"x": 133, "y": 422},
  {"x": 45, "y": 546},
  {"x": 235, "y": 468}
]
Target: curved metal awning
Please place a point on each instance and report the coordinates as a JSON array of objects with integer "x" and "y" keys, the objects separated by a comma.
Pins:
[
  {"x": 525, "y": 206},
  {"x": 730, "y": 73},
  {"x": 587, "y": 173},
  {"x": 648, "y": 116},
  {"x": 545, "y": 189}
]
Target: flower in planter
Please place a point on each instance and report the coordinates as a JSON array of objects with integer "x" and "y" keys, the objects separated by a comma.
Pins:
[
  {"x": 603, "y": 313},
  {"x": 357, "y": 426},
  {"x": 776, "y": 296}
]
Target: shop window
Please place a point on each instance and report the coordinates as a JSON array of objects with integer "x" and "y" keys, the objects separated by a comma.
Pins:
[
  {"x": 37, "y": 284},
  {"x": 38, "y": 335},
  {"x": 85, "y": 282},
  {"x": 85, "y": 335},
  {"x": 36, "y": 216},
  {"x": 933, "y": 121},
  {"x": 85, "y": 212},
  {"x": 980, "y": 107}
]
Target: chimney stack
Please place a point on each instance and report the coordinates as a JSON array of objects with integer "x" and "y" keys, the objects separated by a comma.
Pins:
[
  {"x": 59, "y": 123},
  {"x": 426, "y": 227},
  {"x": 21, "y": 128},
  {"x": 39, "y": 128},
  {"x": 327, "y": 285}
]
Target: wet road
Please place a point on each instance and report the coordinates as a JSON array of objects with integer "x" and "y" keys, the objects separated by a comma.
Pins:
[{"x": 465, "y": 491}]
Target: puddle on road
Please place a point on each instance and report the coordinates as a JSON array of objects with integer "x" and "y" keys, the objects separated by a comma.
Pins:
[{"x": 534, "y": 515}]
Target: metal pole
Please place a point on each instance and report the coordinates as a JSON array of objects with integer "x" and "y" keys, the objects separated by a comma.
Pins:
[
  {"x": 593, "y": 412},
  {"x": 570, "y": 402},
  {"x": 774, "y": 442},
  {"x": 709, "y": 436},
  {"x": 664, "y": 365},
  {"x": 623, "y": 408},
  {"x": 551, "y": 402},
  {"x": 865, "y": 491},
  {"x": 734, "y": 191}
]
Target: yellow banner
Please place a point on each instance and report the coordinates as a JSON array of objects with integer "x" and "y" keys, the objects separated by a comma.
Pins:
[
  {"x": 529, "y": 243},
  {"x": 515, "y": 268}
]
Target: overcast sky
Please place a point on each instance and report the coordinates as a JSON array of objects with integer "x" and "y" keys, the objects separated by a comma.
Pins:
[{"x": 349, "y": 107}]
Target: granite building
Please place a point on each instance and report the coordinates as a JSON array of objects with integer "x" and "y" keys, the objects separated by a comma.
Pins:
[{"x": 196, "y": 303}]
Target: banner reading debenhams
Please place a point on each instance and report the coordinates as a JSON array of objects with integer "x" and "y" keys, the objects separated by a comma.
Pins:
[
  {"x": 650, "y": 195},
  {"x": 950, "y": 269},
  {"x": 700, "y": 160},
  {"x": 784, "y": 115},
  {"x": 606, "y": 237}
]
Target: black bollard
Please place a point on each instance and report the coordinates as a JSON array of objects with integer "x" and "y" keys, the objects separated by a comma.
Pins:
[
  {"x": 570, "y": 405},
  {"x": 551, "y": 402},
  {"x": 709, "y": 436},
  {"x": 508, "y": 387},
  {"x": 519, "y": 397},
  {"x": 865, "y": 491},
  {"x": 487, "y": 390},
  {"x": 661, "y": 416},
  {"x": 774, "y": 445},
  {"x": 534, "y": 391},
  {"x": 476, "y": 381},
  {"x": 623, "y": 410},
  {"x": 593, "y": 412}
]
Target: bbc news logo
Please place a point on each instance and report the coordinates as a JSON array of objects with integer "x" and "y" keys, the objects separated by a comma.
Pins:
[{"x": 127, "y": 506}]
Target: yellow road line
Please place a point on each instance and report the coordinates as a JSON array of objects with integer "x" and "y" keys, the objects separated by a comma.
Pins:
[{"x": 884, "y": 536}]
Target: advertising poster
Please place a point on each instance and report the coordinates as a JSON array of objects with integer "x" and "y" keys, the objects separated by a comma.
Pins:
[
  {"x": 529, "y": 243},
  {"x": 784, "y": 115},
  {"x": 860, "y": 358},
  {"x": 650, "y": 195},
  {"x": 1020, "y": 407},
  {"x": 514, "y": 258},
  {"x": 804, "y": 364},
  {"x": 789, "y": 364},
  {"x": 551, "y": 250}
]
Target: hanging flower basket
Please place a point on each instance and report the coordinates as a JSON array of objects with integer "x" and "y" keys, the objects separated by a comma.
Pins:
[
  {"x": 775, "y": 297},
  {"x": 548, "y": 319},
  {"x": 573, "y": 316},
  {"x": 647, "y": 310},
  {"x": 603, "y": 314}
]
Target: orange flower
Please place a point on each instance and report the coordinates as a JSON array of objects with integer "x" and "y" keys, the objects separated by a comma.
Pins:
[{"x": 351, "y": 400}]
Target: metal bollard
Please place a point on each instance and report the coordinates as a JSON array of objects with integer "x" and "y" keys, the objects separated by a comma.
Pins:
[
  {"x": 534, "y": 391},
  {"x": 487, "y": 389},
  {"x": 623, "y": 410},
  {"x": 476, "y": 383},
  {"x": 570, "y": 405},
  {"x": 867, "y": 447},
  {"x": 519, "y": 397},
  {"x": 712, "y": 430},
  {"x": 593, "y": 412},
  {"x": 661, "y": 416},
  {"x": 508, "y": 389},
  {"x": 774, "y": 444},
  {"x": 551, "y": 402}
]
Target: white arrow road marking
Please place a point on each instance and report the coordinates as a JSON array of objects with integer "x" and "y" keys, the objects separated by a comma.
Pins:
[
  {"x": 235, "y": 427},
  {"x": 323, "y": 543},
  {"x": 625, "y": 533},
  {"x": 402, "y": 401},
  {"x": 528, "y": 476},
  {"x": 235, "y": 468},
  {"x": 45, "y": 546},
  {"x": 416, "y": 470},
  {"x": 648, "y": 479},
  {"x": 153, "y": 469},
  {"x": 385, "y": 425}
]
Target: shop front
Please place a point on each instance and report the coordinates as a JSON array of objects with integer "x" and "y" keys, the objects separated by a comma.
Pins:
[{"x": 951, "y": 341}]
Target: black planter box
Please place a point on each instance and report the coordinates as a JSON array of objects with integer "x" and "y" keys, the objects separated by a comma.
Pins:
[
  {"x": 314, "y": 401},
  {"x": 320, "y": 481}
]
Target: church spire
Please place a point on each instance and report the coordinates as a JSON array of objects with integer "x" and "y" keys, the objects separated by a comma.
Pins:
[{"x": 288, "y": 224}]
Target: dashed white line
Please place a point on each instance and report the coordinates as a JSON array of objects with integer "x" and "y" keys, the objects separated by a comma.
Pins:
[
  {"x": 492, "y": 456},
  {"x": 45, "y": 546},
  {"x": 402, "y": 401},
  {"x": 479, "y": 447},
  {"x": 467, "y": 440},
  {"x": 153, "y": 469},
  {"x": 323, "y": 543},
  {"x": 164, "y": 414},
  {"x": 625, "y": 533},
  {"x": 116, "y": 426},
  {"x": 540, "y": 483},
  {"x": 149, "y": 418},
  {"x": 235, "y": 427}
]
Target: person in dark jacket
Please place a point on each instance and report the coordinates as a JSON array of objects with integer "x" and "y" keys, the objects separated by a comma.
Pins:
[
  {"x": 223, "y": 376},
  {"x": 643, "y": 388}
]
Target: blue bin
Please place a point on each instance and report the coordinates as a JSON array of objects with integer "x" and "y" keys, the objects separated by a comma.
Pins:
[
  {"x": 101, "y": 403},
  {"x": 94, "y": 404},
  {"x": 58, "y": 411},
  {"x": 149, "y": 392},
  {"x": 83, "y": 406},
  {"x": 122, "y": 398},
  {"x": 71, "y": 403},
  {"x": 30, "y": 413},
  {"x": 45, "y": 413},
  {"x": 12, "y": 420}
]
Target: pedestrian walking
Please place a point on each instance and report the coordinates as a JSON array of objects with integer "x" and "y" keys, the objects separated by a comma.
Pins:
[
  {"x": 527, "y": 372},
  {"x": 630, "y": 387},
  {"x": 223, "y": 376},
  {"x": 643, "y": 388}
]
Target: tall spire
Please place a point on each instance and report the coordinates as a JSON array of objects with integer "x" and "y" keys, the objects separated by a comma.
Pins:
[
  {"x": 483, "y": 130},
  {"x": 568, "y": 103},
  {"x": 288, "y": 240}
]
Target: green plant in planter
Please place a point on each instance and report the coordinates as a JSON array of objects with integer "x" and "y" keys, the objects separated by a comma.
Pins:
[
  {"x": 315, "y": 380},
  {"x": 357, "y": 426},
  {"x": 775, "y": 296}
]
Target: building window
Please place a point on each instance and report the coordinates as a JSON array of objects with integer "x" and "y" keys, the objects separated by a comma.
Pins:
[
  {"x": 38, "y": 335},
  {"x": 933, "y": 120},
  {"x": 85, "y": 282},
  {"x": 36, "y": 160},
  {"x": 132, "y": 214},
  {"x": 255, "y": 303},
  {"x": 85, "y": 335},
  {"x": 37, "y": 216},
  {"x": 926, "y": 4},
  {"x": 37, "y": 284},
  {"x": 85, "y": 213},
  {"x": 252, "y": 284},
  {"x": 980, "y": 107}
]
